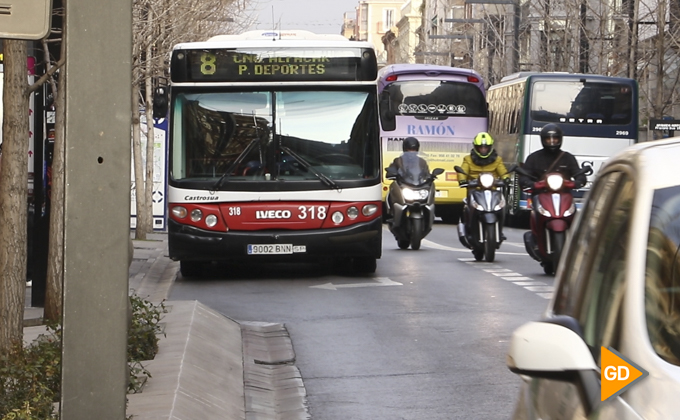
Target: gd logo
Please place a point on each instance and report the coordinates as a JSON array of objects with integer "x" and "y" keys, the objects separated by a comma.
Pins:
[{"x": 618, "y": 373}]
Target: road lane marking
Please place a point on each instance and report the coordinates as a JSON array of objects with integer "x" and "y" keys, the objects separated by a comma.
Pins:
[
  {"x": 380, "y": 281},
  {"x": 538, "y": 287},
  {"x": 429, "y": 244}
]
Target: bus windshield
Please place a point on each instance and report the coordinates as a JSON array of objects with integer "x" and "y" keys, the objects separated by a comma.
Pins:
[
  {"x": 275, "y": 135},
  {"x": 577, "y": 102},
  {"x": 427, "y": 98}
]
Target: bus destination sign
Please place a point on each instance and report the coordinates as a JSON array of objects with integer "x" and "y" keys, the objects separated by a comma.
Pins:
[{"x": 229, "y": 65}]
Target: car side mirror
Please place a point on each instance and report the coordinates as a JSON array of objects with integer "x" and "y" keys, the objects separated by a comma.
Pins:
[{"x": 553, "y": 351}]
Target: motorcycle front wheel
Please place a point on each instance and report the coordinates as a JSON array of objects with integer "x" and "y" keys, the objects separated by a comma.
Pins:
[
  {"x": 478, "y": 254},
  {"x": 416, "y": 233},
  {"x": 557, "y": 240},
  {"x": 489, "y": 243}
]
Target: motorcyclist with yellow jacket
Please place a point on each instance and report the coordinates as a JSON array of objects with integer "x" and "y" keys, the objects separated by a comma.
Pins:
[{"x": 482, "y": 158}]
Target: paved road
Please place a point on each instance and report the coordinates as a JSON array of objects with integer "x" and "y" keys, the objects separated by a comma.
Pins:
[{"x": 425, "y": 337}]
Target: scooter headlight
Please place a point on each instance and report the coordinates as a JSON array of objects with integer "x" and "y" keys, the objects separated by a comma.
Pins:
[
  {"x": 571, "y": 210},
  {"x": 475, "y": 204},
  {"x": 413, "y": 195},
  {"x": 500, "y": 205},
  {"x": 486, "y": 180},
  {"x": 541, "y": 210},
  {"x": 555, "y": 182}
]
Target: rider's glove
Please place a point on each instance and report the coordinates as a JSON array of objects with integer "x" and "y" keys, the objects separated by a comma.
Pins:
[
  {"x": 506, "y": 181},
  {"x": 463, "y": 183}
]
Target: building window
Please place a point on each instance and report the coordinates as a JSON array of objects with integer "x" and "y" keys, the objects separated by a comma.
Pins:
[{"x": 388, "y": 19}]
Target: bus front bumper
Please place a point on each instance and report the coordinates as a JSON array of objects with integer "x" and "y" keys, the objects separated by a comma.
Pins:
[{"x": 187, "y": 243}]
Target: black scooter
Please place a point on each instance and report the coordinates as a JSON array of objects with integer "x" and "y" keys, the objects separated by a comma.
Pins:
[
  {"x": 410, "y": 202},
  {"x": 481, "y": 227}
]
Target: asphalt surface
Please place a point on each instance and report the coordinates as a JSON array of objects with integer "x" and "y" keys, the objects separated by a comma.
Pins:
[{"x": 208, "y": 365}]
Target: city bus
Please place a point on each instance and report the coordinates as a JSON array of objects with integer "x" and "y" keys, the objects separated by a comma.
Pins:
[
  {"x": 444, "y": 108},
  {"x": 274, "y": 151},
  {"x": 598, "y": 115}
]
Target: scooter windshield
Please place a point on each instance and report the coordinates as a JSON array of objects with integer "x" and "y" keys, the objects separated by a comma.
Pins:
[{"x": 413, "y": 170}]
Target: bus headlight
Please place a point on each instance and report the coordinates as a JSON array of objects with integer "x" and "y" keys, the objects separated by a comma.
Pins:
[
  {"x": 352, "y": 212},
  {"x": 196, "y": 215},
  {"x": 369, "y": 210},
  {"x": 179, "y": 212},
  {"x": 337, "y": 217},
  {"x": 211, "y": 220}
]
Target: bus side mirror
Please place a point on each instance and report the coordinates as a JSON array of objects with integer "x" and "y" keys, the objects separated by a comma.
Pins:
[
  {"x": 160, "y": 102},
  {"x": 387, "y": 120}
]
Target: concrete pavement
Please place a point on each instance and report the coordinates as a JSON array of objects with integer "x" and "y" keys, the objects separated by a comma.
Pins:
[{"x": 208, "y": 365}]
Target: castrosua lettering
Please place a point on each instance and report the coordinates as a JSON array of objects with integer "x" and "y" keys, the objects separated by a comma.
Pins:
[{"x": 200, "y": 198}]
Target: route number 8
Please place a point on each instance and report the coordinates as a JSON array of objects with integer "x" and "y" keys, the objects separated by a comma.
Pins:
[{"x": 208, "y": 63}]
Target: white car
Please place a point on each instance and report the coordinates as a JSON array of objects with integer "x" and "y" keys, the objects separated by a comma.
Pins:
[{"x": 617, "y": 287}]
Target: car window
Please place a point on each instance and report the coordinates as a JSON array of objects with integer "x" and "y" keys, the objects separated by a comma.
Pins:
[
  {"x": 600, "y": 310},
  {"x": 662, "y": 275},
  {"x": 584, "y": 233}
]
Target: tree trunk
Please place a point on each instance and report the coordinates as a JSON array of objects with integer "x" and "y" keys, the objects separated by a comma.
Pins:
[
  {"x": 13, "y": 194},
  {"x": 55, "y": 257},
  {"x": 142, "y": 220}
]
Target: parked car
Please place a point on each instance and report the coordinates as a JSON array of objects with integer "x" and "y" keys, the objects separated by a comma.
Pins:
[{"x": 617, "y": 287}]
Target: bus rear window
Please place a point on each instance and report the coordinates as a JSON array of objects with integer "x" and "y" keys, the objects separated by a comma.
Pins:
[
  {"x": 577, "y": 102},
  {"x": 436, "y": 98}
]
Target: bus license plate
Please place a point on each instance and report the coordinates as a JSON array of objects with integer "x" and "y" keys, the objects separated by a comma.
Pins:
[
  {"x": 441, "y": 194},
  {"x": 274, "y": 249}
]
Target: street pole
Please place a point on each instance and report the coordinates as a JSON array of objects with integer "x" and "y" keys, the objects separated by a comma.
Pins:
[{"x": 97, "y": 79}]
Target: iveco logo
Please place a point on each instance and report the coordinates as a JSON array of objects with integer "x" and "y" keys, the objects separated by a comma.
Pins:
[
  {"x": 272, "y": 214},
  {"x": 200, "y": 198}
]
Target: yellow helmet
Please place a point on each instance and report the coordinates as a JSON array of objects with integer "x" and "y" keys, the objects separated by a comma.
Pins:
[{"x": 483, "y": 145}]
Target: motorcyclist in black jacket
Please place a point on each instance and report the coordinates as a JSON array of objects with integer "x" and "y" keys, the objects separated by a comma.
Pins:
[
  {"x": 551, "y": 159},
  {"x": 411, "y": 147}
]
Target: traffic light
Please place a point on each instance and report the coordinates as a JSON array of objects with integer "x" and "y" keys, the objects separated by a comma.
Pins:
[{"x": 160, "y": 102}]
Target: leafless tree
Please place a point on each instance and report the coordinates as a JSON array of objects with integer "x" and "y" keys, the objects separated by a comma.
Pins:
[{"x": 157, "y": 26}]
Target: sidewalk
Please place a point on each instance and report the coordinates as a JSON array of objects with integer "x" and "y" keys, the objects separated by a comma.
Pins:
[{"x": 208, "y": 366}]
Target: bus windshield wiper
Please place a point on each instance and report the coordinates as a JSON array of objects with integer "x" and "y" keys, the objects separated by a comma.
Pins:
[
  {"x": 238, "y": 160},
  {"x": 326, "y": 180}
]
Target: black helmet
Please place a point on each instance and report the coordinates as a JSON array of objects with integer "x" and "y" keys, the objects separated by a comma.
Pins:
[
  {"x": 410, "y": 144},
  {"x": 551, "y": 131}
]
